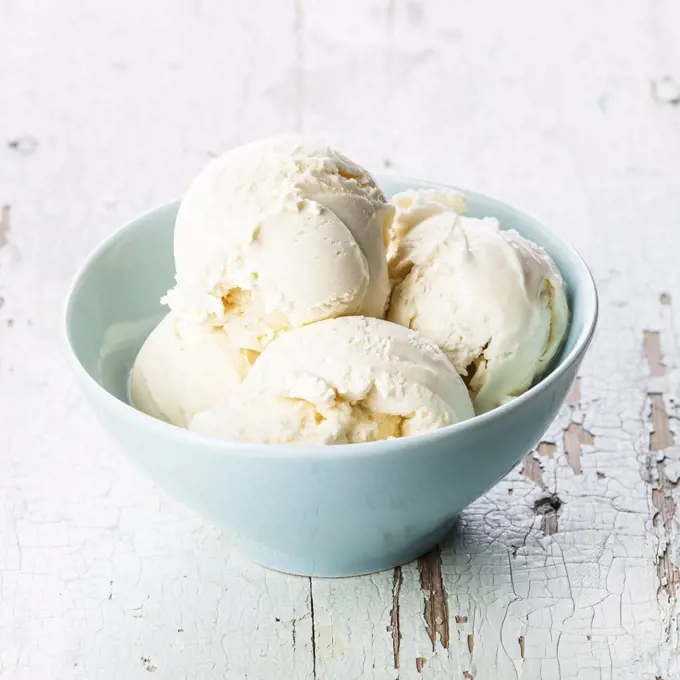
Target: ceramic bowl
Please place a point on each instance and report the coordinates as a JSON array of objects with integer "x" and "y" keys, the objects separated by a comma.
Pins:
[{"x": 312, "y": 510}]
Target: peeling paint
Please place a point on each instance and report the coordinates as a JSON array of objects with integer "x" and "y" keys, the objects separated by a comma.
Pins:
[
  {"x": 660, "y": 439},
  {"x": 532, "y": 470},
  {"x": 436, "y": 603},
  {"x": 522, "y": 647},
  {"x": 652, "y": 350},
  {"x": 547, "y": 449},
  {"x": 667, "y": 572},
  {"x": 420, "y": 662},
  {"x": 575, "y": 437},
  {"x": 661, "y": 436}
]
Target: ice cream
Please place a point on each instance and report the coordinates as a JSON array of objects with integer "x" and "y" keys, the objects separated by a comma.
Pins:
[
  {"x": 414, "y": 207},
  {"x": 309, "y": 309},
  {"x": 493, "y": 301},
  {"x": 184, "y": 368},
  {"x": 345, "y": 380},
  {"x": 278, "y": 234}
]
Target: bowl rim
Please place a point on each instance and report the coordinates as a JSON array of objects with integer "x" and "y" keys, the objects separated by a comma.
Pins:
[{"x": 318, "y": 451}]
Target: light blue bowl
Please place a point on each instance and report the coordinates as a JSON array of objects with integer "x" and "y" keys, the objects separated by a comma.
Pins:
[{"x": 321, "y": 511}]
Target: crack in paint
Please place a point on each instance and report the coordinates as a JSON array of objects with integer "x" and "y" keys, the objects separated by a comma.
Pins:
[
  {"x": 311, "y": 611},
  {"x": 394, "y": 615},
  {"x": 436, "y": 605}
]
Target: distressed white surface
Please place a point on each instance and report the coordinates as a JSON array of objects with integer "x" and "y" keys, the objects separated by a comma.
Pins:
[{"x": 564, "y": 108}]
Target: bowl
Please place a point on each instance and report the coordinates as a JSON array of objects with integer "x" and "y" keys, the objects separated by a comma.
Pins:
[{"x": 310, "y": 510}]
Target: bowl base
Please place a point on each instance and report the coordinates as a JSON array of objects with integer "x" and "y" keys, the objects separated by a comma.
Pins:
[{"x": 322, "y": 567}]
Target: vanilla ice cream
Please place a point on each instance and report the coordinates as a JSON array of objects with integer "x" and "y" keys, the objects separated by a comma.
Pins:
[
  {"x": 345, "y": 380},
  {"x": 492, "y": 300},
  {"x": 278, "y": 234},
  {"x": 184, "y": 368}
]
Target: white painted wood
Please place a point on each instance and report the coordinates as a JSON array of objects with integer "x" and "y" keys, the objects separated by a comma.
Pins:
[{"x": 553, "y": 106}]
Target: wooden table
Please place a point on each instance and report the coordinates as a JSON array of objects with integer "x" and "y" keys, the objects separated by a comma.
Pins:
[{"x": 568, "y": 109}]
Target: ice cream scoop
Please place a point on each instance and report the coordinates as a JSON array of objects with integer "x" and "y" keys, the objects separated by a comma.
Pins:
[
  {"x": 492, "y": 300},
  {"x": 184, "y": 368},
  {"x": 345, "y": 380},
  {"x": 277, "y": 234}
]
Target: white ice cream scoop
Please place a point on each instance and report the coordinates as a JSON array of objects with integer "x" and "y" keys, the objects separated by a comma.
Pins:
[
  {"x": 184, "y": 368},
  {"x": 341, "y": 381},
  {"x": 492, "y": 300},
  {"x": 277, "y": 234}
]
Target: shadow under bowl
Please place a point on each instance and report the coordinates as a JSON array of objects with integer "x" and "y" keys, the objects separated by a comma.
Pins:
[{"x": 311, "y": 510}]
